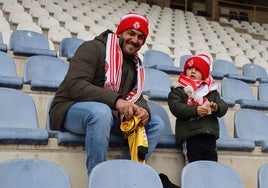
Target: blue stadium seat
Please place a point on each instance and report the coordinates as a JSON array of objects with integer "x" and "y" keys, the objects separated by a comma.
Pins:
[
  {"x": 252, "y": 124},
  {"x": 204, "y": 174},
  {"x": 3, "y": 47},
  {"x": 226, "y": 69},
  {"x": 263, "y": 176},
  {"x": 167, "y": 140},
  {"x": 68, "y": 47},
  {"x": 44, "y": 73},
  {"x": 8, "y": 73},
  {"x": 228, "y": 143},
  {"x": 238, "y": 92},
  {"x": 121, "y": 173},
  {"x": 157, "y": 84},
  {"x": 28, "y": 43},
  {"x": 18, "y": 119},
  {"x": 256, "y": 71},
  {"x": 32, "y": 173},
  {"x": 263, "y": 92},
  {"x": 160, "y": 60}
]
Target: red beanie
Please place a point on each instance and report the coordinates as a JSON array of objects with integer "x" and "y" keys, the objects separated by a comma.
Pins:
[
  {"x": 200, "y": 62},
  {"x": 133, "y": 21}
]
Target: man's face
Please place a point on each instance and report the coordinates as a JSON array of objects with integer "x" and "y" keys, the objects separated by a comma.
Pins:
[{"x": 132, "y": 40}]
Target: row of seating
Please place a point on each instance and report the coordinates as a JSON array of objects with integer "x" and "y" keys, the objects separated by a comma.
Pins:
[
  {"x": 121, "y": 173},
  {"x": 23, "y": 128},
  {"x": 42, "y": 73},
  {"x": 196, "y": 38}
]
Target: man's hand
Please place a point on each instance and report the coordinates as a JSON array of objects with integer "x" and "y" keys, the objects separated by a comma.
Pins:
[
  {"x": 142, "y": 114},
  {"x": 125, "y": 109}
]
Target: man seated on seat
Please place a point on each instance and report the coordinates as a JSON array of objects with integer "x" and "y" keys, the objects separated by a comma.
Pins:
[{"x": 103, "y": 86}]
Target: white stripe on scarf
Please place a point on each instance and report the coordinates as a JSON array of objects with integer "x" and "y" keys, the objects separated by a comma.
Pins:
[{"x": 114, "y": 61}]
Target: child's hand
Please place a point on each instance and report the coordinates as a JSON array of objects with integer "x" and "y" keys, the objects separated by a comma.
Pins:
[
  {"x": 213, "y": 106},
  {"x": 203, "y": 110}
]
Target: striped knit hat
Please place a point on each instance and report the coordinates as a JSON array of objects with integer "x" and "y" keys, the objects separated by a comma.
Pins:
[
  {"x": 133, "y": 21},
  {"x": 200, "y": 62}
]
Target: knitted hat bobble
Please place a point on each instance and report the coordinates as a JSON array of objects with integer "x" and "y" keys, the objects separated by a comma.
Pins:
[
  {"x": 133, "y": 21},
  {"x": 201, "y": 62}
]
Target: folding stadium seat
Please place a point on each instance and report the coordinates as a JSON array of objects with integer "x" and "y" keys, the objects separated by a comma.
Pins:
[
  {"x": 57, "y": 33},
  {"x": 8, "y": 73},
  {"x": 235, "y": 91},
  {"x": 108, "y": 24},
  {"x": 31, "y": 26},
  {"x": 228, "y": 143},
  {"x": 53, "y": 8},
  {"x": 3, "y": 46},
  {"x": 28, "y": 43},
  {"x": 122, "y": 173},
  {"x": 18, "y": 119},
  {"x": 86, "y": 21},
  {"x": 203, "y": 174},
  {"x": 163, "y": 48},
  {"x": 68, "y": 47},
  {"x": 38, "y": 12},
  {"x": 66, "y": 6},
  {"x": 44, "y": 73},
  {"x": 86, "y": 35},
  {"x": 46, "y": 22},
  {"x": 157, "y": 84},
  {"x": 10, "y": 6},
  {"x": 74, "y": 27},
  {"x": 252, "y": 124},
  {"x": 261, "y": 61},
  {"x": 262, "y": 176},
  {"x": 159, "y": 60},
  {"x": 224, "y": 56},
  {"x": 29, "y": 4},
  {"x": 17, "y": 17},
  {"x": 252, "y": 53},
  {"x": 223, "y": 68},
  {"x": 32, "y": 173},
  {"x": 255, "y": 71},
  {"x": 241, "y": 60},
  {"x": 167, "y": 140},
  {"x": 63, "y": 17},
  {"x": 263, "y": 91}
]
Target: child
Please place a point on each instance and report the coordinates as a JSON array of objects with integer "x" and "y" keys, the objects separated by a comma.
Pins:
[{"x": 196, "y": 104}]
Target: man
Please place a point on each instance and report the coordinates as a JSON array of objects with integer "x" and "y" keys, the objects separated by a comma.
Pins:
[{"x": 103, "y": 87}]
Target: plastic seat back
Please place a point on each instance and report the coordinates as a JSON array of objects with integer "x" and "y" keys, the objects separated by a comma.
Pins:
[
  {"x": 157, "y": 84},
  {"x": 28, "y": 43},
  {"x": 68, "y": 46},
  {"x": 18, "y": 119},
  {"x": 226, "y": 142},
  {"x": 8, "y": 73},
  {"x": 32, "y": 173},
  {"x": 44, "y": 72},
  {"x": 251, "y": 124},
  {"x": 263, "y": 92},
  {"x": 204, "y": 174},
  {"x": 255, "y": 71},
  {"x": 3, "y": 47},
  {"x": 123, "y": 173},
  {"x": 159, "y": 60},
  {"x": 263, "y": 176},
  {"x": 167, "y": 140}
]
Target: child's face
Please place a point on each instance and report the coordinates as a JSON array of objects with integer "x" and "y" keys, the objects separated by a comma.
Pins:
[{"x": 194, "y": 73}]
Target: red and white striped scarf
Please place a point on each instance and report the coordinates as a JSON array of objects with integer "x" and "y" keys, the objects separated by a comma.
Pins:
[
  {"x": 113, "y": 69},
  {"x": 197, "y": 89}
]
